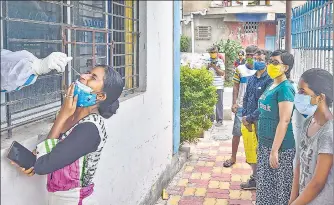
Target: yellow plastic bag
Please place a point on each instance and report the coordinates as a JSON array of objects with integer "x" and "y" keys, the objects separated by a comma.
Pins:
[{"x": 250, "y": 143}]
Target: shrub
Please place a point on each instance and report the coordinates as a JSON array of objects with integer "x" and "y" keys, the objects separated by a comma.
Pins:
[
  {"x": 185, "y": 43},
  {"x": 198, "y": 98},
  {"x": 231, "y": 49}
]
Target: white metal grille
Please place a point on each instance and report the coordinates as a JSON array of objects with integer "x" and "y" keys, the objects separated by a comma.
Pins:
[
  {"x": 251, "y": 27},
  {"x": 203, "y": 32}
]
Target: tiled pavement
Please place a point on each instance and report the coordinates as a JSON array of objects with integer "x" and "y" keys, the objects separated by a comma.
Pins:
[{"x": 204, "y": 181}]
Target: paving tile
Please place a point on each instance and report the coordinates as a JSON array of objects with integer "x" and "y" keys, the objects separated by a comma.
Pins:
[
  {"x": 214, "y": 184},
  {"x": 198, "y": 183},
  {"x": 217, "y": 169},
  {"x": 206, "y": 176},
  {"x": 240, "y": 202},
  {"x": 209, "y": 164},
  {"x": 200, "y": 163},
  {"x": 236, "y": 178},
  {"x": 203, "y": 169},
  {"x": 189, "y": 169},
  {"x": 235, "y": 194},
  {"x": 173, "y": 200},
  {"x": 183, "y": 182},
  {"x": 200, "y": 192},
  {"x": 189, "y": 191},
  {"x": 246, "y": 195},
  {"x": 209, "y": 201},
  {"x": 221, "y": 202},
  {"x": 196, "y": 175},
  {"x": 224, "y": 185}
]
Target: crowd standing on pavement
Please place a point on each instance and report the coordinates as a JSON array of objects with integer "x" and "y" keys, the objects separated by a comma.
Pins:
[{"x": 289, "y": 166}]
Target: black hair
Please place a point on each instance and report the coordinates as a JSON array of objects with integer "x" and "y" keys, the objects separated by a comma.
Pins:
[
  {"x": 267, "y": 54},
  {"x": 260, "y": 52},
  {"x": 113, "y": 87},
  {"x": 252, "y": 49},
  {"x": 241, "y": 52},
  {"x": 213, "y": 49},
  {"x": 320, "y": 81},
  {"x": 286, "y": 58}
]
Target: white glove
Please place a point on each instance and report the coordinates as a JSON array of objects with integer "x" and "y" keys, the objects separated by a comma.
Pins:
[{"x": 55, "y": 61}]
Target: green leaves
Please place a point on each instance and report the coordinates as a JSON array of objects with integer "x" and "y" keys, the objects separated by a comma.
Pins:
[
  {"x": 198, "y": 98},
  {"x": 185, "y": 43},
  {"x": 231, "y": 49}
]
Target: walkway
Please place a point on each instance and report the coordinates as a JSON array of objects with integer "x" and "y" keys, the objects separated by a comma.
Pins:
[{"x": 204, "y": 181}]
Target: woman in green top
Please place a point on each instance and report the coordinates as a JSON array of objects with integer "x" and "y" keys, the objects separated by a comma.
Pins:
[{"x": 276, "y": 149}]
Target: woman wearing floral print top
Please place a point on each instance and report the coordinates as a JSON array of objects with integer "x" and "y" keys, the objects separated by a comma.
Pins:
[{"x": 72, "y": 150}]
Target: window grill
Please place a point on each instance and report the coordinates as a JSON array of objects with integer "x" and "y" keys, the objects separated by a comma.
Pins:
[
  {"x": 92, "y": 32},
  {"x": 203, "y": 32},
  {"x": 251, "y": 27},
  {"x": 312, "y": 37}
]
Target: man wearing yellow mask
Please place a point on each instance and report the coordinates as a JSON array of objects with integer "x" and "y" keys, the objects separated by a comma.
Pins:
[
  {"x": 217, "y": 68},
  {"x": 240, "y": 79}
]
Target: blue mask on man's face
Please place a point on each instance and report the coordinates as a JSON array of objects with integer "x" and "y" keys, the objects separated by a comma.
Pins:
[
  {"x": 85, "y": 96},
  {"x": 259, "y": 65}
]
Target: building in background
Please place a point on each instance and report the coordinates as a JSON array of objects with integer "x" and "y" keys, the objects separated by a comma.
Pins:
[
  {"x": 249, "y": 22},
  {"x": 117, "y": 33}
]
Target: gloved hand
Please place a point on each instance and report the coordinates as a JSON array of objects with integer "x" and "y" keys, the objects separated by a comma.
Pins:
[{"x": 55, "y": 61}]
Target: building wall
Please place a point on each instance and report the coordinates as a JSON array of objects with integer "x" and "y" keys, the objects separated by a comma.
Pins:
[
  {"x": 139, "y": 146},
  {"x": 191, "y": 6},
  {"x": 217, "y": 7},
  {"x": 222, "y": 30}
]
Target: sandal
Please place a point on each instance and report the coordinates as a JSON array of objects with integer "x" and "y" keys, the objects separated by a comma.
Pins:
[{"x": 228, "y": 163}]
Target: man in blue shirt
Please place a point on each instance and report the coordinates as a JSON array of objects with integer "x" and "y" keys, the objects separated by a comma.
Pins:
[{"x": 257, "y": 84}]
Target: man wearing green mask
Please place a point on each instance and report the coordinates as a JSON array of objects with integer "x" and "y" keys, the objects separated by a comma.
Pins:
[{"x": 240, "y": 79}]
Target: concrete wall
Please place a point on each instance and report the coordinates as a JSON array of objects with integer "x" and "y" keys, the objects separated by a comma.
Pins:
[
  {"x": 140, "y": 134},
  {"x": 191, "y": 6},
  {"x": 221, "y": 29}
]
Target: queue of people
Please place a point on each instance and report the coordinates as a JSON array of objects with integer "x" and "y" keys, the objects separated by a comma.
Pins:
[{"x": 264, "y": 101}]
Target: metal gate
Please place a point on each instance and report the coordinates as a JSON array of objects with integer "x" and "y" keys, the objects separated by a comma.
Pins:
[{"x": 312, "y": 36}]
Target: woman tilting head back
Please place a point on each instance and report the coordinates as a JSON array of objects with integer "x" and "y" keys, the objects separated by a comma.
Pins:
[{"x": 70, "y": 154}]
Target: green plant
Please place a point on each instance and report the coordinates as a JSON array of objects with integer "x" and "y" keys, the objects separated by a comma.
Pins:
[
  {"x": 198, "y": 98},
  {"x": 231, "y": 49},
  {"x": 185, "y": 43},
  {"x": 228, "y": 84}
]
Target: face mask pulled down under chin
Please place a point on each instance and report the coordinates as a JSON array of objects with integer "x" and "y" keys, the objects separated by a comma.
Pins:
[
  {"x": 303, "y": 104},
  {"x": 85, "y": 96}
]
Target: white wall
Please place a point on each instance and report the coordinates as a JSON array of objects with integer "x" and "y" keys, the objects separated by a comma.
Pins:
[{"x": 140, "y": 134}]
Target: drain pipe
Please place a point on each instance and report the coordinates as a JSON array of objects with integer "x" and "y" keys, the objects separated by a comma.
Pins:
[
  {"x": 203, "y": 13},
  {"x": 176, "y": 76}
]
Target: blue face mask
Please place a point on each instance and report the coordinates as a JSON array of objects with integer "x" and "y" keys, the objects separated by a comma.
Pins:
[
  {"x": 303, "y": 105},
  {"x": 259, "y": 65},
  {"x": 85, "y": 96}
]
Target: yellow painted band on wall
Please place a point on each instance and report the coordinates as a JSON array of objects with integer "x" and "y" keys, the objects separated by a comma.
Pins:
[{"x": 129, "y": 43}]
